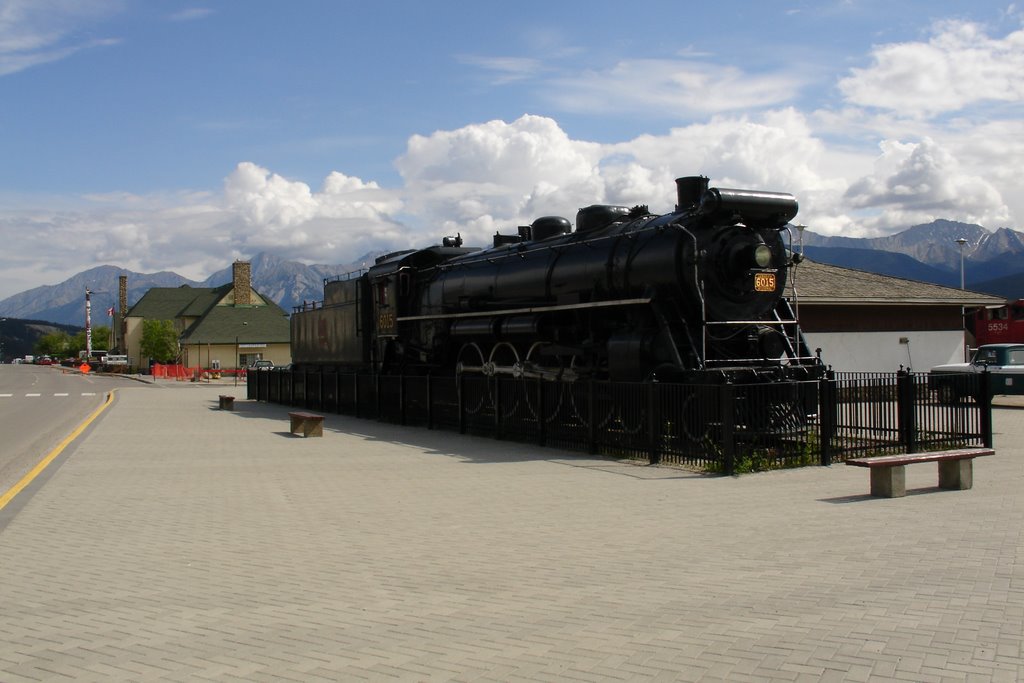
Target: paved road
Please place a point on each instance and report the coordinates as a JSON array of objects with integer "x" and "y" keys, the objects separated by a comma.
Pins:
[
  {"x": 179, "y": 542},
  {"x": 39, "y": 407}
]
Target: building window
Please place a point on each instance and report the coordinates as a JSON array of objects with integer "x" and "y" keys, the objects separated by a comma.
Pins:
[{"x": 247, "y": 359}]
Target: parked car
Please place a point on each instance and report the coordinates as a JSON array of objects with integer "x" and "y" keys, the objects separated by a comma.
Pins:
[
  {"x": 1003, "y": 362},
  {"x": 262, "y": 365}
]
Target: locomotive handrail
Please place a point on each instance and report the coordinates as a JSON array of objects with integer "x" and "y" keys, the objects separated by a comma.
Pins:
[
  {"x": 749, "y": 322},
  {"x": 531, "y": 309},
  {"x": 699, "y": 291},
  {"x": 570, "y": 240},
  {"x": 350, "y": 275}
]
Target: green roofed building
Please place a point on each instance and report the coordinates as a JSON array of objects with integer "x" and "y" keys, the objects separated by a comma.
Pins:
[{"x": 226, "y": 327}]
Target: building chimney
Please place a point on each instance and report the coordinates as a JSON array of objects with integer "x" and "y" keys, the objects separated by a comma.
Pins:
[
  {"x": 122, "y": 295},
  {"x": 241, "y": 271}
]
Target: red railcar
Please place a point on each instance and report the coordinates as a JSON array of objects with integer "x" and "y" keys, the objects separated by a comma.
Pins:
[{"x": 1000, "y": 325}]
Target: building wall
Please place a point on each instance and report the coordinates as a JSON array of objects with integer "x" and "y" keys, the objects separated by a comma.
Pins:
[
  {"x": 883, "y": 352},
  {"x": 203, "y": 355},
  {"x": 879, "y": 317},
  {"x": 867, "y": 337},
  {"x": 133, "y": 341},
  {"x": 132, "y": 337}
]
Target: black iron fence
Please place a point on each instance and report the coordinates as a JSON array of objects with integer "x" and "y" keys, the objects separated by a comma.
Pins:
[{"x": 726, "y": 428}]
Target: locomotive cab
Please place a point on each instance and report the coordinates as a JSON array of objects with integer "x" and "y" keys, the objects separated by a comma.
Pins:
[{"x": 393, "y": 281}]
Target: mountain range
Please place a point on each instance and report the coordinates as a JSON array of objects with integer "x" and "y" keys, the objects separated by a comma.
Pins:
[
  {"x": 993, "y": 263},
  {"x": 288, "y": 283}
]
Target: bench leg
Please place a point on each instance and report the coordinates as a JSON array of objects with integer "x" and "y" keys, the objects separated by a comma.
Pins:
[
  {"x": 956, "y": 474},
  {"x": 314, "y": 428},
  {"x": 889, "y": 482},
  {"x": 296, "y": 423}
]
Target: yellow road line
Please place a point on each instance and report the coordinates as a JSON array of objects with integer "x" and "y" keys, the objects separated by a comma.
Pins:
[{"x": 37, "y": 470}]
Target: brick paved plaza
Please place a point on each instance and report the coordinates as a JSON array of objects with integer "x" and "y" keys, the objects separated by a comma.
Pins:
[{"x": 175, "y": 541}]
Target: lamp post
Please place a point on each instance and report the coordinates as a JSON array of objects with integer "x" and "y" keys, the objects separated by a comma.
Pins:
[
  {"x": 961, "y": 241},
  {"x": 963, "y": 311}
]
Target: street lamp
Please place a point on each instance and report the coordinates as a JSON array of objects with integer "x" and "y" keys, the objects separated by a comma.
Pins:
[
  {"x": 961, "y": 241},
  {"x": 963, "y": 311}
]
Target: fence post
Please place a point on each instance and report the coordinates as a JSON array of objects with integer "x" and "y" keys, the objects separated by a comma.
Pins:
[
  {"x": 401, "y": 399},
  {"x": 460, "y": 391},
  {"x": 828, "y": 407},
  {"x": 355, "y": 393},
  {"x": 985, "y": 406},
  {"x": 905, "y": 413},
  {"x": 653, "y": 424},
  {"x": 497, "y": 408},
  {"x": 376, "y": 394},
  {"x": 430, "y": 401},
  {"x": 541, "y": 436},
  {"x": 727, "y": 404},
  {"x": 591, "y": 424}
]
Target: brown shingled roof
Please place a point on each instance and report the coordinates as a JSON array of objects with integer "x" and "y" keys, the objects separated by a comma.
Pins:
[{"x": 821, "y": 283}]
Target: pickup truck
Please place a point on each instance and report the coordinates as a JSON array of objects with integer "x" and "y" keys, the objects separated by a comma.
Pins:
[{"x": 1004, "y": 363}]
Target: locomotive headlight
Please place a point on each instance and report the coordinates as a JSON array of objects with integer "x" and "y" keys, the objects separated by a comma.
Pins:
[{"x": 762, "y": 256}]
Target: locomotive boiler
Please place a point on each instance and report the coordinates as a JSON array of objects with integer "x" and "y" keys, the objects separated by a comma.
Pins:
[{"x": 695, "y": 295}]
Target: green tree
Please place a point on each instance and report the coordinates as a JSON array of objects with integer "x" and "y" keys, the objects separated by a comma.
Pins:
[
  {"x": 100, "y": 340},
  {"x": 56, "y": 344},
  {"x": 159, "y": 340}
]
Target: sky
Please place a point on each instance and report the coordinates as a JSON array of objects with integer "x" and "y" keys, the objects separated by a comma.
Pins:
[{"x": 184, "y": 135}]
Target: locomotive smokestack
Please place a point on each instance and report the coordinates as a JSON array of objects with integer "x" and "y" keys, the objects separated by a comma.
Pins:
[{"x": 689, "y": 190}]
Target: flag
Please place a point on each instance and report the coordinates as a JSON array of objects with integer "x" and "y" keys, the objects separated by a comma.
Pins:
[{"x": 110, "y": 311}]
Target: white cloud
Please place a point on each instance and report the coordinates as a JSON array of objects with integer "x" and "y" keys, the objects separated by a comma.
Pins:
[
  {"x": 195, "y": 234},
  {"x": 498, "y": 175},
  {"x": 958, "y": 67},
  {"x": 508, "y": 69},
  {"x": 191, "y": 14},
  {"x": 271, "y": 212},
  {"x": 672, "y": 88},
  {"x": 34, "y": 32},
  {"x": 917, "y": 182}
]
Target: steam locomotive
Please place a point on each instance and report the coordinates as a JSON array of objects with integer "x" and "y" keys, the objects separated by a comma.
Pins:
[{"x": 691, "y": 296}]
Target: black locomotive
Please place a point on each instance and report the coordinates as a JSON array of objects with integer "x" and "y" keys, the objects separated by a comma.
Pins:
[{"x": 692, "y": 296}]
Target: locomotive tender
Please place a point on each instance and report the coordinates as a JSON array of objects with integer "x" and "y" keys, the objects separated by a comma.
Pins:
[{"x": 692, "y": 296}]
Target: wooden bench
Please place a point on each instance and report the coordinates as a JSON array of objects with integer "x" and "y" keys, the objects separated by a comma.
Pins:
[
  {"x": 310, "y": 424},
  {"x": 888, "y": 472},
  {"x": 227, "y": 402}
]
